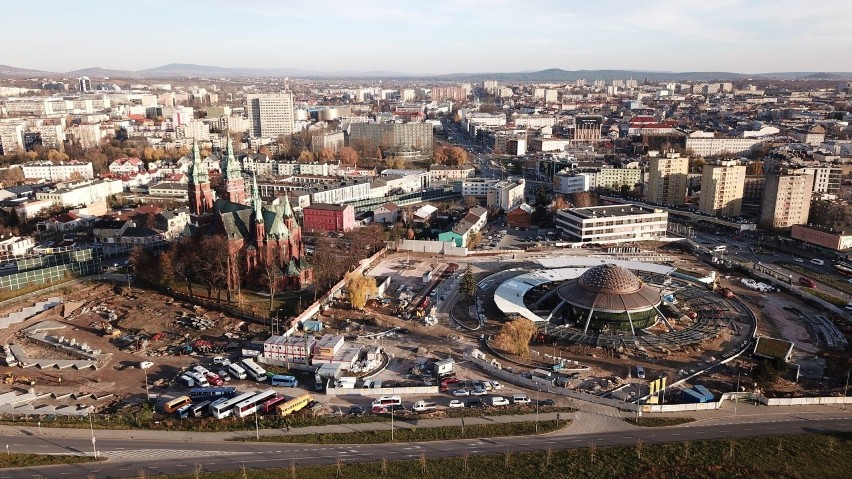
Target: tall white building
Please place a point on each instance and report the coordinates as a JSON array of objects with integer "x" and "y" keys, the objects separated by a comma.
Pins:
[
  {"x": 667, "y": 180},
  {"x": 271, "y": 114},
  {"x": 85, "y": 84},
  {"x": 786, "y": 200}
]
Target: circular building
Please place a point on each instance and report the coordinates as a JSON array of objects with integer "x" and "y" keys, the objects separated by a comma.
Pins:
[{"x": 607, "y": 297}]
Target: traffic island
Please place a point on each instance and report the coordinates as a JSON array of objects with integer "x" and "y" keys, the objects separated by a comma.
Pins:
[
  {"x": 33, "y": 460},
  {"x": 658, "y": 421}
]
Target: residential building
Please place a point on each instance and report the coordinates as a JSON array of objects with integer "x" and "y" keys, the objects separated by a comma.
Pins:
[
  {"x": 447, "y": 172},
  {"x": 506, "y": 194},
  {"x": 81, "y": 193},
  {"x": 326, "y": 217},
  {"x": 703, "y": 146},
  {"x": 416, "y": 136},
  {"x": 612, "y": 224},
  {"x": 288, "y": 349},
  {"x": 472, "y": 222},
  {"x": 442, "y": 93},
  {"x": 47, "y": 170},
  {"x": 386, "y": 214},
  {"x": 786, "y": 200},
  {"x": 809, "y": 136},
  {"x": 837, "y": 240},
  {"x": 753, "y": 187},
  {"x": 15, "y": 246},
  {"x": 826, "y": 179},
  {"x": 617, "y": 178},
  {"x": 11, "y": 136},
  {"x": 477, "y": 187},
  {"x": 271, "y": 114},
  {"x": 722, "y": 187},
  {"x": 520, "y": 216},
  {"x": 334, "y": 141},
  {"x": 169, "y": 189},
  {"x": 667, "y": 180},
  {"x": 569, "y": 183},
  {"x": 126, "y": 166}
]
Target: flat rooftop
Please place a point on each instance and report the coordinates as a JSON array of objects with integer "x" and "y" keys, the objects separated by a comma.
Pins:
[{"x": 611, "y": 211}]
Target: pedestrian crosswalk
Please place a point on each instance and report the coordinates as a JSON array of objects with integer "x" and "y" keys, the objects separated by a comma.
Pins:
[{"x": 124, "y": 455}]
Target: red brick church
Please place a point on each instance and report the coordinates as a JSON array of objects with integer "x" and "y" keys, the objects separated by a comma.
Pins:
[{"x": 258, "y": 236}]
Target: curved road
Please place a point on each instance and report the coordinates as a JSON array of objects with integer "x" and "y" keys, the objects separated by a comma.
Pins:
[{"x": 127, "y": 456}]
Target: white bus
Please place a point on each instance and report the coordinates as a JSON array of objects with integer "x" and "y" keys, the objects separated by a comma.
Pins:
[
  {"x": 281, "y": 380},
  {"x": 250, "y": 405},
  {"x": 236, "y": 371},
  {"x": 224, "y": 409},
  {"x": 252, "y": 369}
]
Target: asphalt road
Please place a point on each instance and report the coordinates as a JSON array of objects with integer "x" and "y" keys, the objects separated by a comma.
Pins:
[{"x": 129, "y": 456}]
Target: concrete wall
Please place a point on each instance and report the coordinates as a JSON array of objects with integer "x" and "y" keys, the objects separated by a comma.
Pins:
[
  {"x": 434, "y": 247},
  {"x": 382, "y": 391}
]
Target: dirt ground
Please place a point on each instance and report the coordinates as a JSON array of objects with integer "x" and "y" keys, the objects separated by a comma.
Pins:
[{"x": 131, "y": 336}]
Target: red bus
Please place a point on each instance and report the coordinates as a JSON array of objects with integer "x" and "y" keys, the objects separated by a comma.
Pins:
[{"x": 270, "y": 405}]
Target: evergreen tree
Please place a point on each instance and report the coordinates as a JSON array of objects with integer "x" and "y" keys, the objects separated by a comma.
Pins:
[{"x": 468, "y": 284}]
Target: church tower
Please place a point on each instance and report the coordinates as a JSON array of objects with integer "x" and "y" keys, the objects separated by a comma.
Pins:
[
  {"x": 200, "y": 195},
  {"x": 257, "y": 205},
  {"x": 233, "y": 186}
]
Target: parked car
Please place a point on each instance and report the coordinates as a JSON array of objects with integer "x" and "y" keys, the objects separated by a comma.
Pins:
[
  {"x": 224, "y": 375},
  {"x": 214, "y": 379},
  {"x": 475, "y": 402},
  {"x": 479, "y": 392},
  {"x": 547, "y": 402},
  {"x": 455, "y": 403},
  {"x": 145, "y": 364},
  {"x": 461, "y": 392},
  {"x": 499, "y": 401},
  {"x": 495, "y": 385},
  {"x": 221, "y": 360},
  {"x": 424, "y": 406},
  {"x": 520, "y": 399},
  {"x": 357, "y": 410}
]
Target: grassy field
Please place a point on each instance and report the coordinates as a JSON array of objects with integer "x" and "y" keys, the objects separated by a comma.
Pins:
[
  {"x": 807, "y": 456},
  {"x": 421, "y": 434},
  {"x": 658, "y": 421},
  {"x": 30, "y": 460}
]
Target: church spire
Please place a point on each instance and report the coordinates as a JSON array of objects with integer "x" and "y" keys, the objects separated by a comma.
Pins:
[
  {"x": 255, "y": 199},
  {"x": 288, "y": 209},
  {"x": 197, "y": 172},
  {"x": 230, "y": 166}
]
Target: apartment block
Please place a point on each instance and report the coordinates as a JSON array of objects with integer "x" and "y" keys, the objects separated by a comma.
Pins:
[
  {"x": 271, "y": 114},
  {"x": 722, "y": 187},
  {"x": 667, "y": 180},
  {"x": 786, "y": 200}
]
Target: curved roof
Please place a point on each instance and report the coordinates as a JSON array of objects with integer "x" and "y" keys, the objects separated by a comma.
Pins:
[{"x": 609, "y": 288}]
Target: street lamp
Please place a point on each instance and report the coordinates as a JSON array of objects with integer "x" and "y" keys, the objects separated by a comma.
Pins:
[
  {"x": 392, "y": 410},
  {"x": 92, "y": 429},
  {"x": 737, "y": 394},
  {"x": 845, "y": 390},
  {"x": 538, "y": 391}
]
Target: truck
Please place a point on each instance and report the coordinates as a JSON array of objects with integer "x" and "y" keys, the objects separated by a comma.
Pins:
[{"x": 807, "y": 282}]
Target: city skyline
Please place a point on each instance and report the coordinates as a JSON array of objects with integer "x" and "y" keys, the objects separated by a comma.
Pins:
[{"x": 438, "y": 38}]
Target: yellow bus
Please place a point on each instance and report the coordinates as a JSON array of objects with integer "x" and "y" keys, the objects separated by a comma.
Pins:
[
  {"x": 176, "y": 404},
  {"x": 294, "y": 404}
]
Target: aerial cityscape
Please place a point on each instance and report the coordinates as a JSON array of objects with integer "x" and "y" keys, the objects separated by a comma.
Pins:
[{"x": 390, "y": 239}]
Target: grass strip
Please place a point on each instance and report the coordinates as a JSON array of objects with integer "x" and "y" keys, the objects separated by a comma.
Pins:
[
  {"x": 835, "y": 283},
  {"x": 31, "y": 460},
  {"x": 658, "y": 421},
  {"x": 826, "y": 297},
  {"x": 824, "y": 456},
  {"x": 420, "y": 434}
]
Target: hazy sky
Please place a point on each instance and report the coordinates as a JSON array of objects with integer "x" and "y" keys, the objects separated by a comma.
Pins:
[{"x": 431, "y": 36}]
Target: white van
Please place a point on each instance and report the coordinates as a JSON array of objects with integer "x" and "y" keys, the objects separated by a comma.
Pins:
[
  {"x": 387, "y": 401},
  {"x": 201, "y": 370},
  {"x": 200, "y": 380},
  {"x": 236, "y": 371},
  {"x": 818, "y": 261},
  {"x": 424, "y": 406}
]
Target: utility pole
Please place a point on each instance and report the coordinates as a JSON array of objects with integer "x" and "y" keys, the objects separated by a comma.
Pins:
[
  {"x": 845, "y": 390},
  {"x": 737, "y": 394}
]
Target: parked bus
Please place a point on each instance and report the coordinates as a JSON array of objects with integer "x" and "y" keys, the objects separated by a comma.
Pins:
[
  {"x": 250, "y": 405},
  {"x": 206, "y": 393},
  {"x": 236, "y": 371},
  {"x": 212, "y": 406},
  {"x": 197, "y": 410},
  {"x": 253, "y": 370},
  {"x": 176, "y": 404},
  {"x": 281, "y": 380},
  {"x": 183, "y": 412},
  {"x": 270, "y": 405},
  {"x": 226, "y": 408},
  {"x": 295, "y": 404}
]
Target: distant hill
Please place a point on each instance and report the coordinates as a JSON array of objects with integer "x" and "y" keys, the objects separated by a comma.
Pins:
[{"x": 555, "y": 75}]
